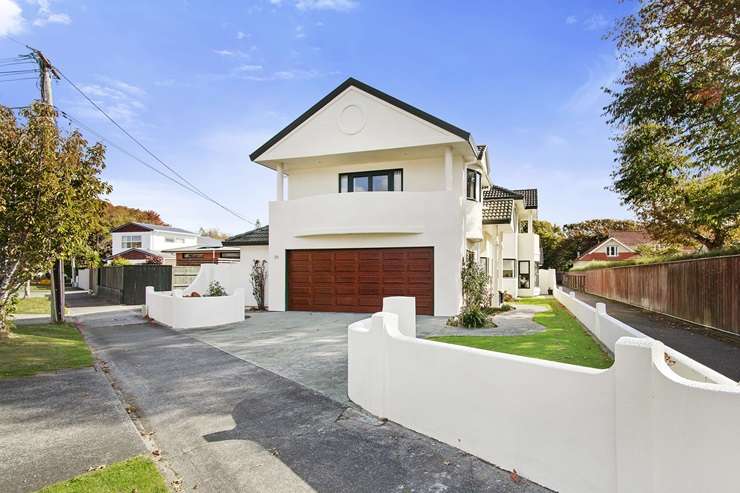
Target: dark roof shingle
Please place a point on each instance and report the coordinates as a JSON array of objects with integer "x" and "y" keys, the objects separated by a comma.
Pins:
[
  {"x": 497, "y": 192},
  {"x": 257, "y": 236},
  {"x": 530, "y": 197}
]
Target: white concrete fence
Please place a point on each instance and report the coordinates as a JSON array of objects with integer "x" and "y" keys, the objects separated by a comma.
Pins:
[
  {"x": 172, "y": 309},
  {"x": 230, "y": 276},
  {"x": 635, "y": 427}
]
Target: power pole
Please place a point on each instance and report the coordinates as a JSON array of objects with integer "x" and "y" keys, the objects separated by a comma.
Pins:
[{"x": 57, "y": 272}]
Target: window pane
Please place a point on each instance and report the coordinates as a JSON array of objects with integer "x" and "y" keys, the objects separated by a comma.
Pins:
[
  {"x": 397, "y": 181},
  {"x": 508, "y": 268},
  {"x": 360, "y": 184},
  {"x": 343, "y": 183},
  {"x": 380, "y": 183},
  {"x": 471, "y": 184}
]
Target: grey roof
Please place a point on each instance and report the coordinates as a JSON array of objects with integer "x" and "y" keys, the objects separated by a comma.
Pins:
[
  {"x": 157, "y": 227},
  {"x": 497, "y": 211},
  {"x": 208, "y": 241},
  {"x": 258, "y": 236},
  {"x": 497, "y": 192},
  {"x": 530, "y": 197},
  {"x": 200, "y": 248}
]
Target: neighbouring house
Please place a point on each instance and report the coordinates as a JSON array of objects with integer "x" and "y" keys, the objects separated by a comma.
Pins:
[
  {"x": 207, "y": 251},
  {"x": 384, "y": 199},
  {"x": 620, "y": 245},
  {"x": 139, "y": 242}
]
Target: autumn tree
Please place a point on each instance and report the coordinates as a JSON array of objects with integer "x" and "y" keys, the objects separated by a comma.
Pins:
[
  {"x": 49, "y": 198},
  {"x": 676, "y": 109}
]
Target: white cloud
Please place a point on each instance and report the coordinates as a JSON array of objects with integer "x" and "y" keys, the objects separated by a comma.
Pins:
[
  {"x": 589, "y": 97},
  {"x": 340, "y": 5},
  {"x": 571, "y": 19},
  {"x": 46, "y": 16},
  {"x": 234, "y": 53},
  {"x": 299, "y": 32},
  {"x": 241, "y": 35},
  {"x": 555, "y": 140},
  {"x": 596, "y": 22},
  {"x": 11, "y": 18},
  {"x": 248, "y": 68},
  {"x": 121, "y": 100}
]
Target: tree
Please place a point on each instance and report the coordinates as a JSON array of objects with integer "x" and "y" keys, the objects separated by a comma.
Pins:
[
  {"x": 676, "y": 108},
  {"x": 678, "y": 205},
  {"x": 562, "y": 245},
  {"x": 213, "y": 233},
  {"x": 49, "y": 198},
  {"x": 258, "y": 278}
]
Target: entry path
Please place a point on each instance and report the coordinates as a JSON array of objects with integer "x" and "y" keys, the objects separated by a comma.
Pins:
[
  {"x": 225, "y": 424},
  {"x": 717, "y": 351}
]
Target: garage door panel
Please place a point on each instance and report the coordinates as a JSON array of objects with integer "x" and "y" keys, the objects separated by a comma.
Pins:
[{"x": 356, "y": 280}]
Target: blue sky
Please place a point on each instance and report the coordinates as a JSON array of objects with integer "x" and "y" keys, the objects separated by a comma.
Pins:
[{"x": 204, "y": 83}]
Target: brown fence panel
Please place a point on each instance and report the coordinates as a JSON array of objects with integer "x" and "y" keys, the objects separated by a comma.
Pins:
[
  {"x": 127, "y": 284},
  {"x": 705, "y": 291},
  {"x": 574, "y": 280}
]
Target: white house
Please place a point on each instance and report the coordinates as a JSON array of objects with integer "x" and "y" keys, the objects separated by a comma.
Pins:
[
  {"x": 377, "y": 198},
  {"x": 136, "y": 242}
]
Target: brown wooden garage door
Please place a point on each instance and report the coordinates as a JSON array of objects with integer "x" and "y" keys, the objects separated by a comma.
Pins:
[{"x": 356, "y": 280}]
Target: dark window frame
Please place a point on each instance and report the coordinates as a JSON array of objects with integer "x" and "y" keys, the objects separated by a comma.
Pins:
[
  {"x": 513, "y": 269},
  {"x": 476, "y": 183},
  {"x": 390, "y": 173},
  {"x": 231, "y": 255},
  {"x": 192, "y": 255},
  {"x": 486, "y": 264},
  {"x": 528, "y": 279}
]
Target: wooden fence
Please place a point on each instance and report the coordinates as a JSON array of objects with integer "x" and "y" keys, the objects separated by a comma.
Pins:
[
  {"x": 704, "y": 291},
  {"x": 127, "y": 284}
]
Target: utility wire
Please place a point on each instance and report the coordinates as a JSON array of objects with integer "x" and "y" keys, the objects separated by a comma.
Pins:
[
  {"x": 79, "y": 123},
  {"x": 195, "y": 189}
]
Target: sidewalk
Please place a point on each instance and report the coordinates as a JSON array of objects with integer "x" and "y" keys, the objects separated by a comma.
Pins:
[{"x": 717, "y": 351}]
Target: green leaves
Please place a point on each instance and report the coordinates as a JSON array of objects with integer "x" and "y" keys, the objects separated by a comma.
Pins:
[{"x": 49, "y": 196}]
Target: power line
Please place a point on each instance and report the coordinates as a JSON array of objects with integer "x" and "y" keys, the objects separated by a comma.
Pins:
[
  {"x": 79, "y": 123},
  {"x": 195, "y": 189}
]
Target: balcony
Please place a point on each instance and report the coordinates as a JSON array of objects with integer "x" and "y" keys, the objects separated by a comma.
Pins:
[
  {"x": 529, "y": 247},
  {"x": 372, "y": 213}
]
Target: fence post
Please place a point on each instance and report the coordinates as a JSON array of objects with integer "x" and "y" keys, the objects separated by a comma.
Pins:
[{"x": 598, "y": 314}]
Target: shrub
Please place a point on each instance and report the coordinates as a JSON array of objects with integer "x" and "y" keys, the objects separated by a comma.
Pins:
[
  {"x": 475, "y": 282},
  {"x": 154, "y": 260},
  {"x": 258, "y": 278},
  {"x": 475, "y": 317},
  {"x": 119, "y": 262},
  {"x": 215, "y": 289}
]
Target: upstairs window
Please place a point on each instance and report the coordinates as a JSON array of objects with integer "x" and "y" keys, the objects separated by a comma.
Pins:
[
  {"x": 473, "y": 185},
  {"x": 131, "y": 241},
  {"x": 390, "y": 180},
  {"x": 612, "y": 251},
  {"x": 524, "y": 226}
]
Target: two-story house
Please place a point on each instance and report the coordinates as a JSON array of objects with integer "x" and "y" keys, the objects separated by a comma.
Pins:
[
  {"x": 378, "y": 198},
  {"x": 137, "y": 242}
]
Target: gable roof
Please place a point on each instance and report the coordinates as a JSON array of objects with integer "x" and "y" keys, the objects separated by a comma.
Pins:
[
  {"x": 497, "y": 211},
  {"x": 631, "y": 239},
  {"x": 153, "y": 227},
  {"x": 257, "y": 236},
  {"x": 351, "y": 82},
  {"x": 142, "y": 251}
]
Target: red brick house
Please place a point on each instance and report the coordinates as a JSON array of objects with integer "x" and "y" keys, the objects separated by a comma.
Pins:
[{"x": 620, "y": 245}]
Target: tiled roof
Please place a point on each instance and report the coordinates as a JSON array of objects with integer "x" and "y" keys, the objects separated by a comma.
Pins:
[
  {"x": 530, "y": 197},
  {"x": 145, "y": 251},
  {"x": 258, "y": 236},
  {"x": 497, "y": 211},
  {"x": 497, "y": 192}
]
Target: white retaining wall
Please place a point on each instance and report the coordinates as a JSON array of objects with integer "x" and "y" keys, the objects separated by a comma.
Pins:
[
  {"x": 609, "y": 330},
  {"x": 635, "y": 427},
  {"x": 171, "y": 309},
  {"x": 547, "y": 280}
]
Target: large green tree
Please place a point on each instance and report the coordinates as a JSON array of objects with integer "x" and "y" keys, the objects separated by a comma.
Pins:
[
  {"x": 676, "y": 110},
  {"x": 49, "y": 198}
]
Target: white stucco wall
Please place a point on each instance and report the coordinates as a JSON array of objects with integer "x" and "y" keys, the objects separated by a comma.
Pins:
[
  {"x": 83, "y": 279},
  {"x": 233, "y": 276},
  {"x": 372, "y": 220},
  {"x": 635, "y": 427},
  {"x": 171, "y": 309},
  {"x": 153, "y": 240}
]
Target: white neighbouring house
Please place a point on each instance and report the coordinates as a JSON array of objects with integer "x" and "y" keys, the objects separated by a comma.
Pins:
[
  {"x": 136, "y": 242},
  {"x": 384, "y": 199}
]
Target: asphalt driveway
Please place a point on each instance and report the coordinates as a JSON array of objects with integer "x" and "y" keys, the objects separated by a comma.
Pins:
[{"x": 226, "y": 424}]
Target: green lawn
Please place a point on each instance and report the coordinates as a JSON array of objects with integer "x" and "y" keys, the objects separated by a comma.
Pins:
[
  {"x": 34, "y": 305},
  {"x": 564, "y": 339},
  {"x": 138, "y": 474},
  {"x": 45, "y": 347}
]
